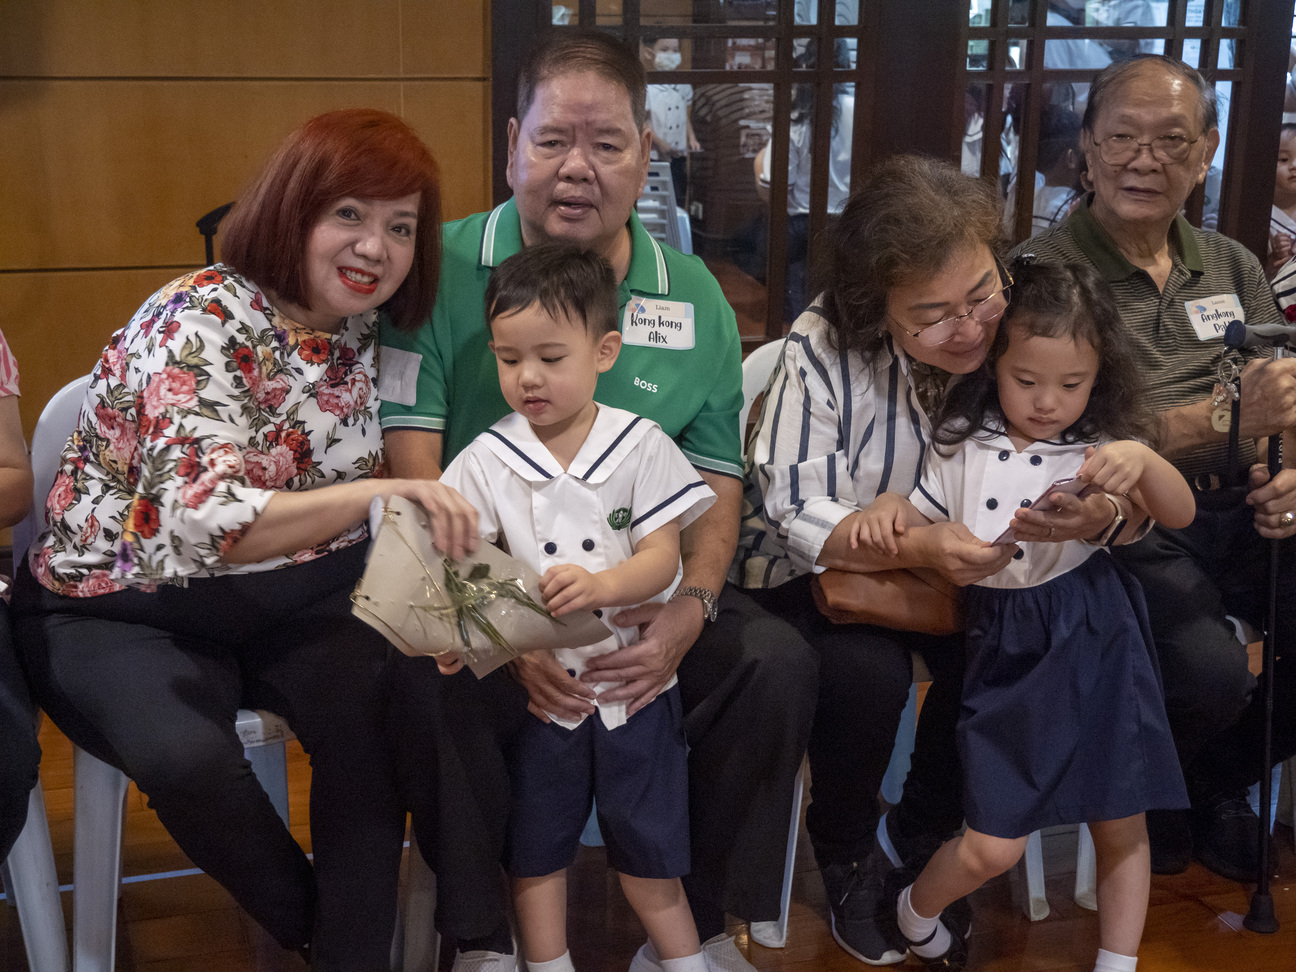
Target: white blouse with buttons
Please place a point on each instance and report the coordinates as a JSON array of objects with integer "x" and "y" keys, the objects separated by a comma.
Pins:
[
  {"x": 986, "y": 481},
  {"x": 627, "y": 480}
]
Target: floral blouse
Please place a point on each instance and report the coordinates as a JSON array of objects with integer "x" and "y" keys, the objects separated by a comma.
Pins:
[
  {"x": 8, "y": 370},
  {"x": 199, "y": 410}
]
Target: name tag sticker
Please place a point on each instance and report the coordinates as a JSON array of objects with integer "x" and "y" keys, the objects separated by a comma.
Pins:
[
  {"x": 1211, "y": 315},
  {"x": 653, "y": 323}
]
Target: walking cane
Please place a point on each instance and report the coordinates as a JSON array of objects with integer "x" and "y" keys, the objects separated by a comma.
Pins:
[{"x": 1260, "y": 917}]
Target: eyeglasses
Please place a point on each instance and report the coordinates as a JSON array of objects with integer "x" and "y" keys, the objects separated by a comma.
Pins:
[
  {"x": 1124, "y": 149},
  {"x": 987, "y": 310}
]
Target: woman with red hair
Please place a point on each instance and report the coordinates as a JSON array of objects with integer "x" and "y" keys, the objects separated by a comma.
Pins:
[{"x": 208, "y": 524}]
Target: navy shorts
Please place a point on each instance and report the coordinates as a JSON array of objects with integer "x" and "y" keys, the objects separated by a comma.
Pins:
[{"x": 638, "y": 776}]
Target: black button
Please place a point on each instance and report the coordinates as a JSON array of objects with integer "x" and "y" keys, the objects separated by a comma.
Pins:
[
  {"x": 598, "y": 613},
  {"x": 992, "y": 503},
  {"x": 587, "y": 545},
  {"x": 571, "y": 672},
  {"x": 551, "y": 548},
  {"x": 1019, "y": 555},
  {"x": 1036, "y": 460},
  {"x": 1003, "y": 456},
  {"x": 1026, "y": 502}
]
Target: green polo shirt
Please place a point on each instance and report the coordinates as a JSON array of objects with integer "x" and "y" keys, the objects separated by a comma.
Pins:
[
  {"x": 442, "y": 378},
  {"x": 1180, "y": 367}
]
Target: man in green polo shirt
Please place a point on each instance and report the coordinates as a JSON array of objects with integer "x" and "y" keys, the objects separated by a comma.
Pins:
[
  {"x": 578, "y": 158},
  {"x": 1149, "y": 133}
]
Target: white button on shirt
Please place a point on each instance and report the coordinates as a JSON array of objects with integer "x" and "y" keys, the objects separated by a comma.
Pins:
[
  {"x": 986, "y": 481},
  {"x": 627, "y": 480}
]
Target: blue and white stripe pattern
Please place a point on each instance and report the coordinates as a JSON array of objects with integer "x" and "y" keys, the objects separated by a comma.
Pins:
[{"x": 833, "y": 433}]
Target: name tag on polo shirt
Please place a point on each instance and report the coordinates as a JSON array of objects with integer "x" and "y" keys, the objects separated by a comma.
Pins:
[
  {"x": 653, "y": 323},
  {"x": 1211, "y": 315}
]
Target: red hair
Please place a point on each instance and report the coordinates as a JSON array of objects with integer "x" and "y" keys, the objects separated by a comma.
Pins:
[{"x": 359, "y": 152}]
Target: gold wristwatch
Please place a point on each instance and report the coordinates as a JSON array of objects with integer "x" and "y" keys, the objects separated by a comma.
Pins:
[{"x": 1109, "y": 536}]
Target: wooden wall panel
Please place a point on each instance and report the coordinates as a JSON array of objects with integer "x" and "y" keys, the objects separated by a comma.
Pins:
[
  {"x": 122, "y": 123},
  {"x": 452, "y": 118},
  {"x": 434, "y": 48},
  {"x": 57, "y": 323},
  {"x": 243, "y": 38},
  {"x": 115, "y": 172}
]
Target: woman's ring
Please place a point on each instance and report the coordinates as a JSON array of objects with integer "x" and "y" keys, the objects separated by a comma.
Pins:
[{"x": 1287, "y": 519}]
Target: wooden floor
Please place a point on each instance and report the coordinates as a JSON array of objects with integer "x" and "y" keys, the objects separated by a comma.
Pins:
[{"x": 189, "y": 923}]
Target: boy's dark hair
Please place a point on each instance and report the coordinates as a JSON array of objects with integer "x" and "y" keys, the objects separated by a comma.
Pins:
[
  {"x": 1052, "y": 300},
  {"x": 563, "y": 279}
]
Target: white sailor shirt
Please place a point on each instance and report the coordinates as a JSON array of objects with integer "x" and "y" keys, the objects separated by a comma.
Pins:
[
  {"x": 985, "y": 482},
  {"x": 627, "y": 480}
]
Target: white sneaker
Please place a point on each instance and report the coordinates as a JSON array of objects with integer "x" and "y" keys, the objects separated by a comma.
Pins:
[
  {"x": 484, "y": 961},
  {"x": 721, "y": 955}
]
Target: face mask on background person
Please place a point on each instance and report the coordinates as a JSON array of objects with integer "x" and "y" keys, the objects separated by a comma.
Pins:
[{"x": 667, "y": 60}]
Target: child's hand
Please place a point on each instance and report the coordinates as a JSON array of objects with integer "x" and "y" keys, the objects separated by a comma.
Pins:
[
  {"x": 1280, "y": 251},
  {"x": 449, "y": 663},
  {"x": 878, "y": 524},
  {"x": 1115, "y": 467},
  {"x": 567, "y": 588}
]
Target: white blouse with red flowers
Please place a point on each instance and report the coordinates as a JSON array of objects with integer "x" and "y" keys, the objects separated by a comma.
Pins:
[
  {"x": 199, "y": 409},
  {"x": 8, "y": 370}
]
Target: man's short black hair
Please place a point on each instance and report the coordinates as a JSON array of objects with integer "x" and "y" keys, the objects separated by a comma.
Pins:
[{"x": 565, "y": 280}]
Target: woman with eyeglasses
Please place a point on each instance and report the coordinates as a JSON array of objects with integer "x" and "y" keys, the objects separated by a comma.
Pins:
[{"x": 912, "y": 293}]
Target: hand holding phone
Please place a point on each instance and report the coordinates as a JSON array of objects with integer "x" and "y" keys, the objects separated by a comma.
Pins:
[{"x": 1073, "y": 486}]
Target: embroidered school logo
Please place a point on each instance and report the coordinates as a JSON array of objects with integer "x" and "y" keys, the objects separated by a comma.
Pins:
[{"x": 619, "y": 518}]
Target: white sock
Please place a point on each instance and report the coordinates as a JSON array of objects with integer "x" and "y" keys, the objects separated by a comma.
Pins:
[
  {"x": 562, "y": 963},
  {"x": 1115, "y": 962},
  {"x": 916, "y": 928},
  {"x": 884, "y": 841},
  {"x": 689, "y": 963}
]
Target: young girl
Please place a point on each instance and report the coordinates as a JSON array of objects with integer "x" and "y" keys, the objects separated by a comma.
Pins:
[
  {"x": 1282, "y": 217},
  {"x": 1063, "y": 719}
]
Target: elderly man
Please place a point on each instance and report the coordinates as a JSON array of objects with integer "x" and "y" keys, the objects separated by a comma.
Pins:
[
  {"x": 1149, "y": 134},
  {"x": 578, "y": 159}
]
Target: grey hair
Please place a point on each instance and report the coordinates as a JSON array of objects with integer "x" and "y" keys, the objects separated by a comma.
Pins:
[{"x": 1117, "y": 73}]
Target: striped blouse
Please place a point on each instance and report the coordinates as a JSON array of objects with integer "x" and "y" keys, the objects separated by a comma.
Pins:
[{"x": 833, "y": 433}]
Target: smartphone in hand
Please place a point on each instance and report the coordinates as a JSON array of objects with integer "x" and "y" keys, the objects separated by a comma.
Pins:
[{"x": 1073, "y": 487}]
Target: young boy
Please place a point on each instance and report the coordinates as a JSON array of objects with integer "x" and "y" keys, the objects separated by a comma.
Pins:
[{"x": 593, "y": 498}]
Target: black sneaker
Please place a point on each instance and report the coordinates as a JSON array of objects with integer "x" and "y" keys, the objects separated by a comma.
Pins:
[
  {"x": 863, "y": 922},
  {"x": 1225, "y": 834},
  {"x": 1170, "y": 840}
]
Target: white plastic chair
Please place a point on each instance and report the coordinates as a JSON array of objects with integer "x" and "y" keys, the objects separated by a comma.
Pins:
[{"x": 100, "y": 789}]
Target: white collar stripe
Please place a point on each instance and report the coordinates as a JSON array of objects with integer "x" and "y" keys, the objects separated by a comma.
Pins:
[
  {"x": 663, "y": 278},
  {"x": 488, "y": 236}
]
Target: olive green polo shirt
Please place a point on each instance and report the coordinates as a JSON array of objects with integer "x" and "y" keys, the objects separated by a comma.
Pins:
[
  {"x": 1180, "y": 367},
  {"x": 443, "y": 378}
]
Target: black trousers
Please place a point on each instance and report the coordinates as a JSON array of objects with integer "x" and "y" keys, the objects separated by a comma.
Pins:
[
  {"x": 150, "y": 684},
  {"x": 864, "y": 677},
  {"x": 748, "y": 688},
  {"x": 18, "y": 767},
  {"x": 1192, "y": 578}
]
